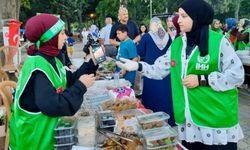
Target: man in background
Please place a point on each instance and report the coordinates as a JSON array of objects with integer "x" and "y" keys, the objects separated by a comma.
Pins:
[{"x": 110, "y": 50}]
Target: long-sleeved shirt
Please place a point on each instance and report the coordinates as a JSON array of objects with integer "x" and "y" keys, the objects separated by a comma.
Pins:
[
  {"x": 229, "y": 76},
  {"x": 243, "y": 37},
  {"x": 40, "y": 96}
]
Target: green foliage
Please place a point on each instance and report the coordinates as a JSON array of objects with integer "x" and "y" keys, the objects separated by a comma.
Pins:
[
  {"x": 139, "y": 10},
  {"x": 25, "y": 3}
]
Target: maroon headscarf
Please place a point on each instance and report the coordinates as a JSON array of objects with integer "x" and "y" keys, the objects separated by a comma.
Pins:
[
  {"x": 34, "y": 29},
  {"x": 176, "y": 25}
]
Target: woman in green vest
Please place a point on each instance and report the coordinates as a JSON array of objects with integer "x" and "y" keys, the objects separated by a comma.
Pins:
[
  {"x": 231, "y": 26},
  {"x": 215, "y": 26},
  {"x": 205, "y": 72},
  {"x": 45, "y": 90},
  {"x": 243, "y": 35}
]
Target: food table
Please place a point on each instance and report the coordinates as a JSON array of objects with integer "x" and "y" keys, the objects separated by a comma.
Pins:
[{"x": 110, "y": 123}]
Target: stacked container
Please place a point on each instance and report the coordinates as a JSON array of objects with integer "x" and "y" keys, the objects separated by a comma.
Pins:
[
  {"x": 107, "y": 120},
  {"x": 64, "y": 134},
  {"x": 156, "y": 132},
  {"x": 86, "y": 131}
]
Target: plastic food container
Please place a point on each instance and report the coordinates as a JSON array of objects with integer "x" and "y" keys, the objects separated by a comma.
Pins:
[
  {"x": 159, "y": 138},
  {"x": 64, "y": 128},
  {"x": 107, "y": 120},
  {"x": 126, "y": 121},
  {"x": 92, "y": 103},
  {"x": 154, "y": 120},
  {"x": 129, "y": 114},
  {"x": 86, "y": 131},
  {"x": 63, "y": 146},
  {"x": 65, "y": 139}
]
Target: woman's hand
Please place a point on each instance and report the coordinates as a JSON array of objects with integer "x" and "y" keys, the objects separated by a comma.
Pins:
[
  {"x": 87, "y": 80},
  {"x": 122, "y": 72},
  {"x": 191, "y": 81},
  {"x": 127, "y": 64}
]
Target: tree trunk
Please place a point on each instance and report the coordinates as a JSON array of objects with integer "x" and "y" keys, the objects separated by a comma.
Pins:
[
  {"x": 10, "y": 9},
  {"x": 237, "y": 8},
  {"x": 68, "y": 23},
  {"x": 79, "y": 12}
]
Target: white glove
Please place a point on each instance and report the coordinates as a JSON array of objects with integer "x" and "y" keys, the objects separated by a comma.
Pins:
[{"x": 128, "y": 65}]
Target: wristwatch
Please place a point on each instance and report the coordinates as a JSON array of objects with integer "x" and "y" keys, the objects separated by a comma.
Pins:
[{"x": 203, "y": 81}]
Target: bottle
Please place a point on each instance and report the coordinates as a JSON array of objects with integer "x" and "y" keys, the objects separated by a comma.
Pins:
[{"x": 116, "y": 79}]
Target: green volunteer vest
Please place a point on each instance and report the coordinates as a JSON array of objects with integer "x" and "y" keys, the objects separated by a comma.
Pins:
[
  {"x": 233, "y": 43},
  {"x": 218, "y": 31},
  {"x": 28, "y": 130},
  {"x": 208, "y": 108},
  {"x": 241, "y": 44}
]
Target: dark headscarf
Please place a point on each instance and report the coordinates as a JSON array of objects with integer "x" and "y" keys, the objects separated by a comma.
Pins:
[
  {"x": 176, "y": 25},
  {"x": 34, "y": 29},
  {"x": 202, "y": 15},
  {"x": 246, "y": 24}
]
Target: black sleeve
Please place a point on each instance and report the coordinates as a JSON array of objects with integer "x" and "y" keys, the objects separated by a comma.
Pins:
[
  {"x": 136, "y": 30},
  {"x": 53, "y": 104},
  {"x": 242, "y": 36},
  {"x": 86, "y": 68},
  {"x": 113, "y": 32}
]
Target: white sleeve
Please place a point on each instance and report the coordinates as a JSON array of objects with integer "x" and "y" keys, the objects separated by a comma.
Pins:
[
  {"x": 160, "y": 69},
  {"x": 102, "y": 33},
  {"x": 231, "y": 72}
]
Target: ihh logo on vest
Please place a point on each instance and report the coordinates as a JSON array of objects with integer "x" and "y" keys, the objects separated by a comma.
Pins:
[{"x": 202, "y": 63}]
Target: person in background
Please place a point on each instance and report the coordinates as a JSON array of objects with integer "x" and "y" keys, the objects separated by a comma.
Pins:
[
  {"x": 170, "y": 27},
  {"x": 45, "y": 91},
  {"x": 216, "y": 26},
  {"x": 156, "y": 94},
  {"x": 127, "y": 49},
  {"x": 110, "y": 50},
  {"x": 94, "y": 32},
  {"x": 71, "y": 42},
  {"x": 84, "y": 34},
  {"x": 243, "y": 35},
  {"x": 64, "y": 58},
  {"x": 231, "y": 26},
  {"x": 205, "y": 73},
  {"x": 133, "y": 32},
  {"x": 142, "y": 30},
  {"x": 138, "y": 78}
]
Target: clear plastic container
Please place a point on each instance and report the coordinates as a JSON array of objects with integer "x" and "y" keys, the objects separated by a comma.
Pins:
[
  {"x": 126, "y": 121},
  {"x": 86, "y": 129},
  {"x": 107, "y": 120},
  {"x": 65, "y": 139},
  {"x": 129, "y": 114},
  {"x": 63, "y": 146},
  {"x": 116, "y": 79},
  {"x": 65, "y": 127},
  {"x": 154, "y": 120},
  {"x": 159, "y": 138}
]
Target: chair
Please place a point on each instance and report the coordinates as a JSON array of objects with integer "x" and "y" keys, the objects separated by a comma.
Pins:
[
  {"x": 9, "y": 53},
  {"x": 6, "y": 90},
  {"x": 3, "y": 76}
]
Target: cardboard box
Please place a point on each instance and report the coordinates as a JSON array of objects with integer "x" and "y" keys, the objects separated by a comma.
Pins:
[
  {"x": 2, "y": 130},
  {"x": 2, "y": 143}
]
